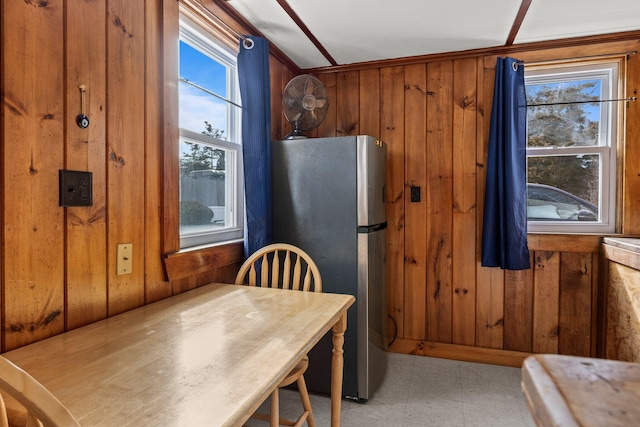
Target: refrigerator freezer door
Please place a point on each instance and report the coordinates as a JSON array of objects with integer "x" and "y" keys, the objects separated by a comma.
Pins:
[{"x": 372, "y": 154}]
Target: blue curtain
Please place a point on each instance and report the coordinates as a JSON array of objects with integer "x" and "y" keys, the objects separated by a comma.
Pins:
[
  {"x": 253, "y": 75},
  {"x": 504, "y": 228}
]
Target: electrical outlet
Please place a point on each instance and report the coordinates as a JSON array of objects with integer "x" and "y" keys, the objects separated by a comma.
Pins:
[
  {"x": 75, "y": 188},
  {"x": 124, "y": 261},
  {"x": 415, "y": 194}
]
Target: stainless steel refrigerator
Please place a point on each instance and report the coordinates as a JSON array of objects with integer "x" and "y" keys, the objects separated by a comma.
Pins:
[{"x": 329, "y": 200}]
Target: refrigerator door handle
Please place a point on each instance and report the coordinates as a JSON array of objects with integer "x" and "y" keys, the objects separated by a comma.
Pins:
[{"x": 371, "y": 228}]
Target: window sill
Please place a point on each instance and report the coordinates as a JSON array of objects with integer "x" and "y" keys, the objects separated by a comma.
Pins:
[
  {"x": 564, "y": 242},
  {"x": 192, "y": 261}
]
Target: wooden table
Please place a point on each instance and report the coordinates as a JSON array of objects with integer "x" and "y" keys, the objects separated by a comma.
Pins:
[
  {"x": 580, "y": 391},
  {"x": 207, "y": 357}
]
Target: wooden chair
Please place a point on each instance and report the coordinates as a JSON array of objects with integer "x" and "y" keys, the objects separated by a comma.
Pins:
[
  {"x": 286, "y": 267},
  {"x": 43, "y": 409}
]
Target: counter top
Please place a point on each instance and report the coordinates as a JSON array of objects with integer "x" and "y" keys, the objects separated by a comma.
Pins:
[
  {"x": 579, "y": 391},
  {"x": 628, "y": 243}
]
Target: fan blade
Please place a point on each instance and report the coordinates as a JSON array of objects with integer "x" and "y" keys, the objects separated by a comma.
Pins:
[
  {"x": 309, "y": 86},
  {"x": 293, "y": 91},
  {"x": 320, "y": 103}
]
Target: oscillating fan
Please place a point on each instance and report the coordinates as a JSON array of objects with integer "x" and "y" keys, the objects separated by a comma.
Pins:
[{"x": 305, "y": 104}]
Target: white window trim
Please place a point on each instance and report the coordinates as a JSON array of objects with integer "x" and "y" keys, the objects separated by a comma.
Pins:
[
  {"x": 195, "y": 35},
  {"x": 607, "y": 150}
]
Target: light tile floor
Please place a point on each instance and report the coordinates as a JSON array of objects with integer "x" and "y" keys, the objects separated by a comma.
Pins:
[{"x": 423, "y": 391}]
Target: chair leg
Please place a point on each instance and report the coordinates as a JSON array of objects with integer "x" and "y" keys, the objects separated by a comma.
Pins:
[
  {"x": 4, "y": 421},
  {"x": 275, "y": 408},
  {"x": 306, "y": 402},
  {"x": 32, "y": 421}
]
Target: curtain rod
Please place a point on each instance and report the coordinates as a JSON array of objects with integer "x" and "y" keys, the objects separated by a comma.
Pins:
[
  {"x": 608, "y": 55},
  {"x": 189, "y": 82},
  {"x": 633, "y": 98},
  {"x": 611, "y": 55},
  {"x": 247, "y": 42}
]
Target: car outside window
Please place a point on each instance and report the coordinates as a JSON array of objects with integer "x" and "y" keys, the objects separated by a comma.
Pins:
[
  {"x": 571, "y": 147},
  {"x": 211, "y": 196}
]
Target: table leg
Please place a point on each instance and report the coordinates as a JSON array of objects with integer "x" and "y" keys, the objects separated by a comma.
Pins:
[
  {"x": 275, "y": 408},
  {"x": 337, "y": 365}
]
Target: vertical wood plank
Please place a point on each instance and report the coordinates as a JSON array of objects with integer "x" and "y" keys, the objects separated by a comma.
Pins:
[
  {"x": 278, "y": 132},
  {"x": 279, "y": 77},
  {"x": 546, "y": 297},
  {"x": 125, "y": 136},
  {"x": 602, "y": 309},
  {"x": 464, "y": 201},
  {"x": 286, "y": 76},
  {"x": 369, "y": 115},
  {"x": 415, "y": 262},
  {"x": 518, "y": 309},
  {"x": 170, "y": 130},
  {"x": 33, "y": 152},
  {"x": 3, "y": 145},
  {"x": 328, "y": 128},
  {"x": 155, "y": 286},
  {"x": 631, "y": 191},
  {"x": 489, "y": 281},
  {"x": 597, "y": 307},
  {"x": 439, "y": 200},
  {"x": 347, "y": 103},
  {"x": 575, "y": 304},
  {"x": 275, "y": 86},
  {"x": 86, "y": 243},
  {"x": 490, "y": 308},
  {"x": 392, "y": 133}
]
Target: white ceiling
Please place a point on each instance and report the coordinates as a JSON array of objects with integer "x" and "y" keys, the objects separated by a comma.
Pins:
[{"x": 355, "y": 31}]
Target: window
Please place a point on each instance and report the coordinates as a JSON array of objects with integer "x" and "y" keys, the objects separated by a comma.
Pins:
[
  {"x": 571, "y": 147},
  {"x": 211, "y": 196}
]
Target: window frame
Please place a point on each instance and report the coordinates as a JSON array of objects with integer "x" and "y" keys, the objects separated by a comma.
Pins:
[
  {"x": 197, "y": 36},
  {"x": 611, "y": 115}
]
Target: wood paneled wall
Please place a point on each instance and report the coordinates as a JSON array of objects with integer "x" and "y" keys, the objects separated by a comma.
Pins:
[
  {"x": 434, "y": 115},
  {"x": 57, "y": 265}
]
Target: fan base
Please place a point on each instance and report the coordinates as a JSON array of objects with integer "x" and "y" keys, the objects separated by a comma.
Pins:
[{"x": 296, "y": 134}]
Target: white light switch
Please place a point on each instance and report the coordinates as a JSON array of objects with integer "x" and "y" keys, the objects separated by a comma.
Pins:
[{"x": 124, "y": 260}]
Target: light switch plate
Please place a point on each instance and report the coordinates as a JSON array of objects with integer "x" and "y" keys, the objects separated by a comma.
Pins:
[{"x": 124, "y": 262}]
